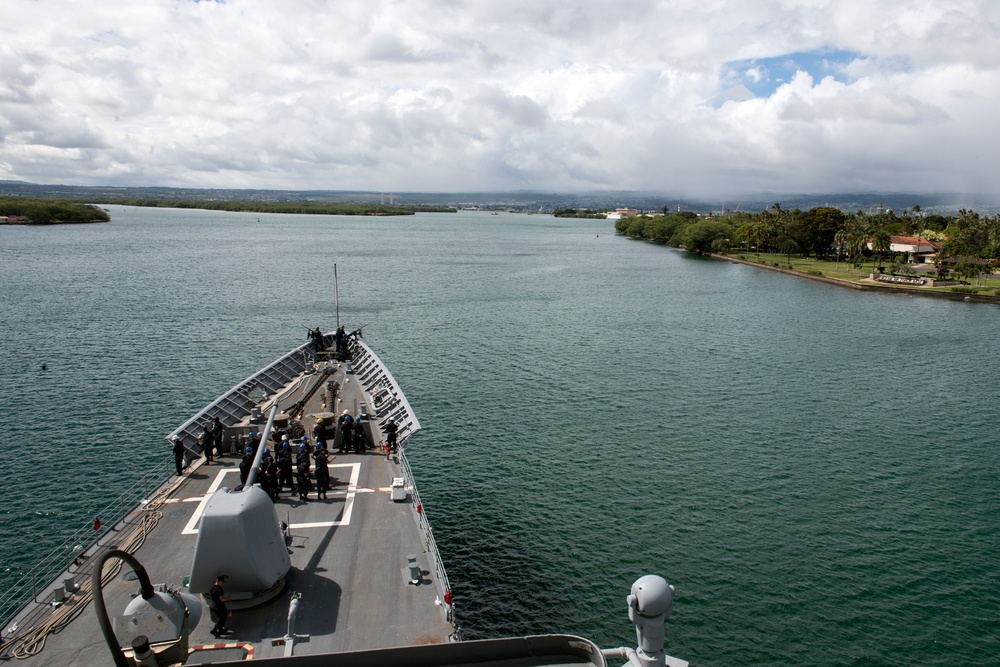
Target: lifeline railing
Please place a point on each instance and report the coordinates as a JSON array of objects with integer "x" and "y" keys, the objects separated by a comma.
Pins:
[
  {"x": 78, "y": 550},
  {"x": 378, "y": 381},
  {"x": 430, "y": 546}
]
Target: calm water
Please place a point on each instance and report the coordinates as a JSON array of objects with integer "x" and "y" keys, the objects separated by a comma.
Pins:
[{"x": 814, "y": 469}]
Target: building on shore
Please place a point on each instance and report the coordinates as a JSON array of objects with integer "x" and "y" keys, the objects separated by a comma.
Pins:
[
  {"x": 620, "y": 213},
  {"x": 918, "y": 249}
]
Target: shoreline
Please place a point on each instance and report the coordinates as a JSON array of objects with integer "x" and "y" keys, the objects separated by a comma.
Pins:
[
  {"x": 865, "y": 287},
  {"x": 50, "y": 223}
]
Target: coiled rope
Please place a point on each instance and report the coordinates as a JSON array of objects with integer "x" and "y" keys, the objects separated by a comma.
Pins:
[{"x": 30, "y": 641}]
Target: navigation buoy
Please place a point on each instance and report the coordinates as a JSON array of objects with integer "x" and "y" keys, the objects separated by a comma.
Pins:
[{"x": 97, "y": 523}]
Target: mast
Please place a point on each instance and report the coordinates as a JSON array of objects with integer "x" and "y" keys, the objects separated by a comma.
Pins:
[{"x": 336, "y": 293}]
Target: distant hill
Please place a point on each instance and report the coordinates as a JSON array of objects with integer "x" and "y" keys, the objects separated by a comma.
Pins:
[{"x": 528, "y": 201}]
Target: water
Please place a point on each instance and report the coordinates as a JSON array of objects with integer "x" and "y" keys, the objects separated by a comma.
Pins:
[{"x": 813, "y": 468}]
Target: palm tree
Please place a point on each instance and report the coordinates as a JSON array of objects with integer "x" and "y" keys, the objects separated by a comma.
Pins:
[
  {"x": 881, "y": 244},
  {"x": 840, "y": 238}
]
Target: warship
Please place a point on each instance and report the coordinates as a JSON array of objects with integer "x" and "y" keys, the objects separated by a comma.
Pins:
[{"x": 343, "y": 571}]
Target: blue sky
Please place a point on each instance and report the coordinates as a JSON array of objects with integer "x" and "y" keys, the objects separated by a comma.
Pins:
[
  {"x": 688, "y": 97},
  {"x": 762, "y": 76}
]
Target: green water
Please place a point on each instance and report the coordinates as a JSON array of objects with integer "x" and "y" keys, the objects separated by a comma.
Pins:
[{"x": 814, "y": 469}]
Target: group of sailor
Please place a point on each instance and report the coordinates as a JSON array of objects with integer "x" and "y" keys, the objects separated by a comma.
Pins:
[
  {"x": 211, "y": 439},
  {"x": 349, "y": 432},
  {"x": 339, "y": 338},
  {"x": 291, "y": 465},
  {"x": 275, "y": 473}
]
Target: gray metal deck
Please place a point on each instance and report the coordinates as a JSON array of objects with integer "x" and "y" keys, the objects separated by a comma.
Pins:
[{"x": 348, "y": 553}]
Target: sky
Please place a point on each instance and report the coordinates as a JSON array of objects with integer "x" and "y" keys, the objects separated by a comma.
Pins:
[{"x": 686, "y": 97}]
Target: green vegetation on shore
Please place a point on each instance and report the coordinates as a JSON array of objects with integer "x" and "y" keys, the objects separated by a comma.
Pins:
[
  {"x": 985, "y": 284},
  {"x": 969, "y": 244},
  {"x": 32, "y": 211},
  {"x": 313, "y": 208},
  {"x": 579, "y": 213}
]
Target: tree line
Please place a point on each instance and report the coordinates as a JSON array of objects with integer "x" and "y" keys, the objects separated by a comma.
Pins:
[
  {"x": 968, "y": 239},
  {"x": 307, "y": 208},
  {"x": 50, "y": 211},
  {"x": 580, "y": 213}
]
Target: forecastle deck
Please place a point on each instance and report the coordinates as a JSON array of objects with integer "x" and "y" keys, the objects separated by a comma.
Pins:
[{"x": 348, "y": 552}]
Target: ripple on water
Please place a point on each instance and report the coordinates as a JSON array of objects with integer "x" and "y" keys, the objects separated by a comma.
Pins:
[{"x": 814, "y": 469}]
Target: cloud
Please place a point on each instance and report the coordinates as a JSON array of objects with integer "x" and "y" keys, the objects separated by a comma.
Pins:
[{"x": 691, "y": 97}]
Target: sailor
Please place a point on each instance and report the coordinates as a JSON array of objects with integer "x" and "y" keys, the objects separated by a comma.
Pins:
[
  {"x": 359, "y": 437},
  {"x": 207, "y": 441},
  {"x": 219, "y": 434},
  {"x": 322, "y": 471},
  {"x": 302, "y": 456},
  {"x": 285, "y": 468},
  {"x": 319, "y": 431},
  {"x": 264, "y": 479},
  {"x": 246, "y": 464},
  {"x": 390, "y": 431},
  {"x": 346, "y": 423},
  {"x": 272, "y": 478},
  {"x": 341, "y": 338},
  {"x": 219, "y": 609},
  {"x": 302, "y": 468},
  {"x": 178, "y": 453},
  {"x": 317, "y": 338}
]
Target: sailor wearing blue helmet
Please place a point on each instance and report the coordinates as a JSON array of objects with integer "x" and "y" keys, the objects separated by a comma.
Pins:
[{"x": 245, "y": 465}]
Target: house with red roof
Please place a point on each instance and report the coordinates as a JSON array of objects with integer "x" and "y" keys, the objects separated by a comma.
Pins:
[{"x": 918, "y": 249}]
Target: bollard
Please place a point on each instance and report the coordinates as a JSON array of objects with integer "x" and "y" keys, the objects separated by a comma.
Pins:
[{"x": 416, "y": 576}]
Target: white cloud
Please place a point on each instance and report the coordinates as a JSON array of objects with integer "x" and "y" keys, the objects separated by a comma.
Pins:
[{"x": 453, "y": 95}]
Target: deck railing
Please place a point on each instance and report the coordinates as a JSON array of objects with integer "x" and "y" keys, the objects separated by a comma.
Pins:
[
  {"x": 78, "y": 550},
  {"x": 430, "y": 545}
]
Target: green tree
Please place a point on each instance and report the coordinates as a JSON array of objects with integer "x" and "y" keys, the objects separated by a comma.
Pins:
[
  {"x": 881, "y": 244},
  {"x": 820, "y": 225},
  {"x": 752, "y": 233},
  {"x": 706, "y": 236},
  {"x": 841, "y": 239}
]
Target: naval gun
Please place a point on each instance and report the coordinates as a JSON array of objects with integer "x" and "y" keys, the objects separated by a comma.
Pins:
[{"x": 241, "y": 538}]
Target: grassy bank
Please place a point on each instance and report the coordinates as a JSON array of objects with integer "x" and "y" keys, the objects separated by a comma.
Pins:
[{"x": 988, "y": 286}]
